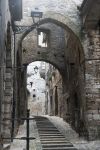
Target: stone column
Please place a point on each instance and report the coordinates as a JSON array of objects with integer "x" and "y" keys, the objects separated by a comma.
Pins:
[
  {"x": 93, "y": 85},
  {"x": 1, "y": 145},
  {"x": 23, "y": 89},
  {"x": 7, "y": 103},
  {"x": 0, "y": 77}
]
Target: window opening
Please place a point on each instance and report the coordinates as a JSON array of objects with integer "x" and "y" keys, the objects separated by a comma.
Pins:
[{"x": 43, "y": 38}]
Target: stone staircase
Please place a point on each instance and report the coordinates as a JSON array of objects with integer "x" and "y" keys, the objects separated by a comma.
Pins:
[{"x": 50, "y": 136}]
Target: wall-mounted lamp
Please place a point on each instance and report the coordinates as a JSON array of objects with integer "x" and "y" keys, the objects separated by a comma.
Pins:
[
  {"x": 18, "y": 29},
  {"x": 36, "y": 14}
]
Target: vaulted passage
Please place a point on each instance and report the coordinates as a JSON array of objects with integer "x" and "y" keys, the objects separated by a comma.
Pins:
[
  {"x": 54, "y": 42},
  {"x": 61, "y": 48},
  {"x": 60, "y": 40},
  {"x": 57, "y": 46}
]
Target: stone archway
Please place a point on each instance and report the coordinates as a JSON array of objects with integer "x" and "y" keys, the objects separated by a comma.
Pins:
[
  {"x": 72, "y": 56},
  {"x": 56, "y": 18},
  {"x": 88, "y": 63},
  {"x": 60, "y": 21}
]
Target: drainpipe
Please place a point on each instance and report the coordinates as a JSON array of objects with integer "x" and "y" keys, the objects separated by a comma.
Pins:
[
  {"x": 14, "y": 84},
  {"x": 1, "y": 50},
  {"x": 1, "y": 141}
]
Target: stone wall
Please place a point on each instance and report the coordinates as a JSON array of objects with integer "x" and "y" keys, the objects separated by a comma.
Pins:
[
  {"x": 92, "y": 47},
  {"x": 79, "y": 60},
  {"x": 5, "y": 68},
  {"x": 53, "y": 53},
  {"x": 66, "y": 54},
  {"x": 54, "y": 92}
]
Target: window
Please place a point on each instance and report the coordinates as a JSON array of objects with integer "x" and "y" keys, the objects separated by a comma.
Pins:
[{"x": 43, "y": 37}]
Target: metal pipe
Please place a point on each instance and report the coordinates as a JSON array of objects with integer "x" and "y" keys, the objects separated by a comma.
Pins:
[
  {"x": 14, "y": 103},
  {"x": 27, "y": 130}
]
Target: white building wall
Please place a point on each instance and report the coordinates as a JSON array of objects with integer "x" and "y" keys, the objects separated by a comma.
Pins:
[{"x": 36, "y": 104}]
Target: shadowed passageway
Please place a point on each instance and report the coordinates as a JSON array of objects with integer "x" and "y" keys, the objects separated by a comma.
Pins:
[{"x": 64, "y": 35}]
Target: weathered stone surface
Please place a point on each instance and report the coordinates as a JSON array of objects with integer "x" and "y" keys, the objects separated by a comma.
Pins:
[
  {"x": 53, "y": 53},
  {"x": 65, "y": 12},
  {"x": 73, "y": 50},
  {"x": 81, "y": 65}
]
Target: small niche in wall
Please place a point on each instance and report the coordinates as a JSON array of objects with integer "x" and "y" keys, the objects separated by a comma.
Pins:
[
  {"x": 43, "y": 37},
  {"x": 34, "y": 95}
]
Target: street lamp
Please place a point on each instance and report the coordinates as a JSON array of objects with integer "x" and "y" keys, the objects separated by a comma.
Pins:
[{"x": 36, "y": 14}]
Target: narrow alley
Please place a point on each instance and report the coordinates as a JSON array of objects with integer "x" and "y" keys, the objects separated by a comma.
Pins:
[
  {"x": 69, "y": 136},
  {"x": 49, "y": 74},
  {"x": 50, "y": 137}
]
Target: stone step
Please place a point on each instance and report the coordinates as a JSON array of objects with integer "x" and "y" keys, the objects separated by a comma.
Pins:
[
  {"x": 60, "y": 148},
  {"x": 47, "y": 129},
  {"x": 49, "y": 132},
  {"x": 45, "y": 125},
  {"x": 42, "y": 121},
  {"x": 50, "y": 136},
  {"x": 58, "y": 145},
  {"x": 53, "y": 139},
  {"x": 53, "y": 142},
  {"x": 42, "y": 124}
]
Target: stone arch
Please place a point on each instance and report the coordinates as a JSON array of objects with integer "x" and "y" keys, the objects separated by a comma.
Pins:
[
  {"x": 59, "y": 20},
  {"x": 47, "y": 61},
  {"x": 51, "y": 77},
  {"x": 76, "y": 64}
]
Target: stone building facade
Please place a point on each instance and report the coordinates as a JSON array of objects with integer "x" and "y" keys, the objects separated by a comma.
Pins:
[
  {"x": 5, "y": 67},
  {"x": 8, "y": 9},
  {"x": 72, "y": 36},
  {"x": 54, "y": 92},
  {"x": 36, "y": 88},
  {"x": 91, "y": 44}
]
